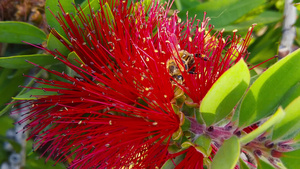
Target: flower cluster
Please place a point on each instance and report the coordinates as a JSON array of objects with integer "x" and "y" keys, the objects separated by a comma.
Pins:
[{"x": 133, "y": 100}]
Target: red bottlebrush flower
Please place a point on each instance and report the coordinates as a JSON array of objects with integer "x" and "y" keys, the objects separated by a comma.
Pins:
[{"x": 120, "y": 109}]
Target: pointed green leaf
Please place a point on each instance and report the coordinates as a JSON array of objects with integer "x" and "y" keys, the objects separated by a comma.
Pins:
[
  {"x": 228, "y": 154},
  {"x": 262, "y": 164},
  {"x": 276, "y": 118},
  {"x": 16, "y": 32},
  {"x": 291, "y": 159},
  {"x": 53, "y": 6},
  {"x": 178, "y": 4},
  {"x": 297, "y": 138},
  {"x": 108, "y": 13},
  {"x": 225, "y": 93},
  {"x": 290, "y": 124},
  {"x": 94, "y": 4},
  {"x": 54, "y": 44},
  {"x": 266, "y": 93},
  {"x": 74, "y": 59},
  {"x": 19, "y": 62},
  {"x": 34, "y": 93}
]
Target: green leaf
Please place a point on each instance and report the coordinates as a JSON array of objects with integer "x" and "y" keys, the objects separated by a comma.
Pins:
[
  {"x": 169, "y": 164},
  {"x": 19, "y": 62},
  {"x": 30, "y": 95},
  {"x": 30, "y": 83},
  {"x": 188, "y": 4},
  {"x": 204, "y": 142},
  {"x": 222, "y": 12},
  {"x": 266, "y": 93},
  {"x": 108, "y": 13},
  {"x": 276, "y": 118},
  {"x": 53, "y": 6},
  {"x": 228, "y": 154},
  {"x": 290, "y": 124},
  {"x": 17, "y": 32},
  {"x": 95, "y": 5},
  {"x": 6, "y": 123},
  {"x": 9, "y": 85},
  {"x": 291, "y": 95},
  {"x": 291, "y": 159},
  {"x": 266, "y": 17},
  {"x": 225, "y": 93},
  {"x": 265, "y": 47},
  {"x": 74, "y": 59},
  {"x": 262, "y": 164},
  {"x": 243, "y": 165},
  {"x": 178, "y": 4},
  {"x": 55, "y": 44}
]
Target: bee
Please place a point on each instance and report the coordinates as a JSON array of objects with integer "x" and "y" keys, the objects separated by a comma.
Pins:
[
  {"x": 174, "y": 67},
  {"x": 188, "y": 61}
]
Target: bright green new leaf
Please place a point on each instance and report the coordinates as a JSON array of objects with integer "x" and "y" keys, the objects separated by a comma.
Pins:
[
  {"x": 109, "y": 16},
  {"x": 19, "y": 62},
  {"x": 266, "y": 93},
  {"x": 291, "y": 159},
  {"x": 178, "y": 4},
  {"x": 146, "y": 4},
  {"x": 54, "y": 44},
  {"x": 225, "y": 93},
  {"x": 53, "y": 6},
  {"x": 290, "y": 124},
  {"x": 17, "y": 32},
  {"x": 276, "y": 118},
  {"x": 228, "y": 154}
]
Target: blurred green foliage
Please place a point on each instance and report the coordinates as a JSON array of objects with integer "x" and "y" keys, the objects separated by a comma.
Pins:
[{"x": 224, "y": 14}]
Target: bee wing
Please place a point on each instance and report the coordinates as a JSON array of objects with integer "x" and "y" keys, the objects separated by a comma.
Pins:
[
  {"x": 175, "y": 47},
  {"x": 174, "y": 44}
]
